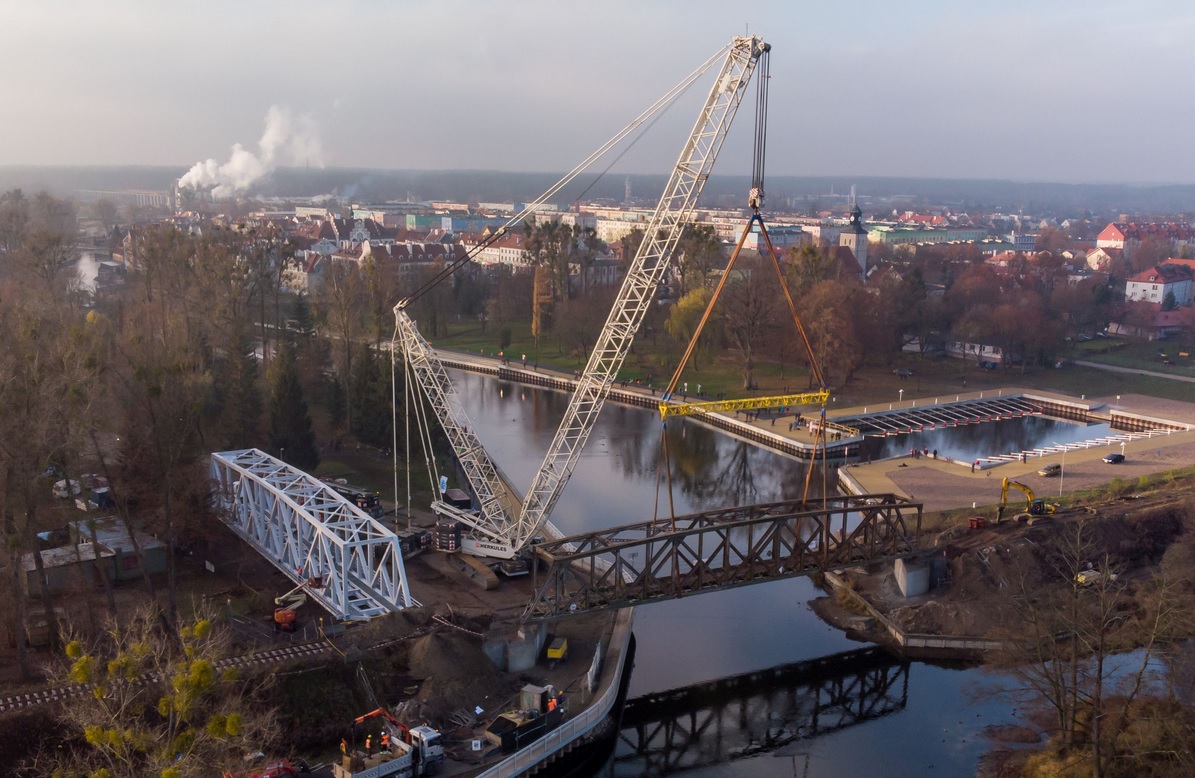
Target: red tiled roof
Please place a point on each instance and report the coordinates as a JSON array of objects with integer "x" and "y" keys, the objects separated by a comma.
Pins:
[{"x": 1164, "y": 273}]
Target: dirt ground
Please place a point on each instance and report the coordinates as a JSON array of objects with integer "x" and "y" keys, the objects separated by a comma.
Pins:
[{"x": 978, "y": 569}]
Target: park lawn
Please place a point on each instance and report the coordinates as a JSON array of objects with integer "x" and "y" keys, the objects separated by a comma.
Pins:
[
  {"x": 654, "y": 359},
  {"x": 1141, "y": 355}
]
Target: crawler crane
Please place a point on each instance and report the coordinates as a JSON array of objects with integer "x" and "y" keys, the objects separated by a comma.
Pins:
[{"x": 502, "y": 525}]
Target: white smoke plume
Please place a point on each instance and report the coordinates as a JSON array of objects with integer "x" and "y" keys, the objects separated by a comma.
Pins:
[{"x": 287, "y": 138}]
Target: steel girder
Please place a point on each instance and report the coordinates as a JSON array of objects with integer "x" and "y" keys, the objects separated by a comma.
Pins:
[
  {"x": 350, "y": 563},
  {"x": 754, "y": 713},
  {"x": 668, "y": 558}
]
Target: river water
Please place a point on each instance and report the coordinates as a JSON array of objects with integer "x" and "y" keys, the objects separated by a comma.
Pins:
[{"x": 682, "y": 642}]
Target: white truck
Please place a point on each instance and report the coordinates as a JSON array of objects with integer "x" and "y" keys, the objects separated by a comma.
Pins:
[{"x": 413, "y": 752}]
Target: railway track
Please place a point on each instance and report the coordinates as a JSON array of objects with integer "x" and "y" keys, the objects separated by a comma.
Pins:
[{"x": 255, "y": 660}]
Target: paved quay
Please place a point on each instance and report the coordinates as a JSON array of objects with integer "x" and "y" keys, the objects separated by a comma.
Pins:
[{"x": 943, "y": 485}]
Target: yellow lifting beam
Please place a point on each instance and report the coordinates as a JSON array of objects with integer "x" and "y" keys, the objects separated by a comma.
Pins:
[
  {"x": 668, "y": 405},
  {"x": 668, "y": 408}
]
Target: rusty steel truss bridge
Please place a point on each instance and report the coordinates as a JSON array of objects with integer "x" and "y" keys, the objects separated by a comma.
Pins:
[{"x": 668, "y": 558}]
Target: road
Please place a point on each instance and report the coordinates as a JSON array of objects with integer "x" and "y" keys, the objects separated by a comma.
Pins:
[{"x": 1135, "y": 371}]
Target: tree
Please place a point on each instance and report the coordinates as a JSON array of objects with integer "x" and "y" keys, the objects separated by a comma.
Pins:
[
  {"x": 828, "y": 321},
  {"x": 239, "y": 396},
  {"x": 105, "y": 212},
  {"x": 158, "y": 707},
  {"x": 808, "y": 265},
  {"x": 746, "y": 309},
  {"x": 342, "y": 302},
  {"x": 543, "y": 307},
  {"x": 684, "y": 317},
  {"x": 14, "y": 219},
  {"x": 698, "y": 252},
  {"x": 1067, "y": 613},
  {"x": 292, "y": 438},
  {"x": 512, "y": 300},
  {"x": 160, "y": 369},
  {"x": 370, "y": 398}
]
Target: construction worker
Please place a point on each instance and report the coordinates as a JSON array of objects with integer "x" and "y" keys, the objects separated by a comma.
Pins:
[
  {"x": 344, "y": 746},
  {"x": 385, "y": 741},
  {"x": 369, "y": 745}
]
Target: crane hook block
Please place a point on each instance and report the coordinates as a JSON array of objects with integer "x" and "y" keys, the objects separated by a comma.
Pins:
[{"x": 755, "y": 198}]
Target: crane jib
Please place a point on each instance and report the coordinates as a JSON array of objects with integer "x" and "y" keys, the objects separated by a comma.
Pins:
[{"x": 497, "y": 518}]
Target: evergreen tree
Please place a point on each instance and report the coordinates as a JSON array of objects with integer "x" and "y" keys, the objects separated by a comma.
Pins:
[
  {"x": 334, "y": 401},
  {"x": 291, "y": 436},
  {"x": 369, "y": 398},
  {"x": 239, "y": 397}
]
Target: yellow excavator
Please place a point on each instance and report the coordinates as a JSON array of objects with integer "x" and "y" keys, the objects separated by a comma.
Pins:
[{"x": 1033, "y": 507}]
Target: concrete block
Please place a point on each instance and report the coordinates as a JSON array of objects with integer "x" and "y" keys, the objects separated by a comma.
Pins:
[{"x": 911, "y": 577}]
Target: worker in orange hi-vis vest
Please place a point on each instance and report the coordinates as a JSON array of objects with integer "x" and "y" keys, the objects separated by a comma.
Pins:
[
  {"x": 369, "y": 745},
  {"x": 344, "y": 746},
  {"x": 385, "y": 741}
]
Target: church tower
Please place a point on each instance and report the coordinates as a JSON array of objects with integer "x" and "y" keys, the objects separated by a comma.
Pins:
[{"x": 854, "y": 237}]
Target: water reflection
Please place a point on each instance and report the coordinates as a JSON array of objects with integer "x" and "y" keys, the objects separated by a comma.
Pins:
[
  {"x": 620, "y": 477},
  {"x": 976, "y": 441},
  {"x": 698, "y": 638}
]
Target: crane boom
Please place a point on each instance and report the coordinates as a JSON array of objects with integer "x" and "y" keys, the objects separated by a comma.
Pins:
[
  {"x": 506, "y": 524},
  {"x": 647, "y": 269}
]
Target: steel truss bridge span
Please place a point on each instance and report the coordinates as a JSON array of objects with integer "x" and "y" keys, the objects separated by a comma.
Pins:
[
  {"x": 760, "y": 712},
  {"x": 667, "y": 558},
  {"x": 346, "y": 560}
]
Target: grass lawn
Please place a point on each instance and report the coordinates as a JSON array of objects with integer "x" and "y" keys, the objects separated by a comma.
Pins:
[
  {"x": 657, "y": 356},
  {"x": 1142, "y": 355}
]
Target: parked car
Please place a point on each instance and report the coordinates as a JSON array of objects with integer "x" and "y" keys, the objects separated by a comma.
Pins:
[
  {"x": 1114, "y": 459},
  {"x": 988, "y": 365},
  {"x": 1050, "y": 470},
  {"x": 903, "y": 372}
]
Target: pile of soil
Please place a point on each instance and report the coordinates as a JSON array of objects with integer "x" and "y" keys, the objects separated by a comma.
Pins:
[{"x": 456, "y": 673}]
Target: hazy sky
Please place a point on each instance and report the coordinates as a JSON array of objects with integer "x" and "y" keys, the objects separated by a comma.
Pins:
[{"x": 1046, "y": 90}]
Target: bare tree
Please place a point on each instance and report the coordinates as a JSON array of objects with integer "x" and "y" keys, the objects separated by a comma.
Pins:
[
  {"x": 342, "y": 301},
  {"x": 157, "y": 707},
  {"x": 746, "y": 309},
  {"x": 1067, "y": 613}
]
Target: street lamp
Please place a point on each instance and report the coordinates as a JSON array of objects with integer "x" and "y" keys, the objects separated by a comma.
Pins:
[
  {"x": 1122, "y": 448},
  {"x": 902, "y": 395},
  {"x": 1062, "y": 472}
]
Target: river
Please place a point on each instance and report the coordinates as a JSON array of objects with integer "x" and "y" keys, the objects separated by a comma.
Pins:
[{"x": 938, "y": 728}]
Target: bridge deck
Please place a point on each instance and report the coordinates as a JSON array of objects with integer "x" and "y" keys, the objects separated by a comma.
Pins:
[{"x": 668, "y": 558}]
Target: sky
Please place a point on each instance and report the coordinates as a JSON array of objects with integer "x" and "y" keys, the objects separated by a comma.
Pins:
[{"x": 1046, "y": 90}]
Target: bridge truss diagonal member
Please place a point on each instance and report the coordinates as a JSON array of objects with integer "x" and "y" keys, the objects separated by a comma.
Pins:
[{"x": 348, "y": 561}]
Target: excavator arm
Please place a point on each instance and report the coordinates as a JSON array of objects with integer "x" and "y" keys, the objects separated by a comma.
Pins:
[{"x": 1033, "y": 506}]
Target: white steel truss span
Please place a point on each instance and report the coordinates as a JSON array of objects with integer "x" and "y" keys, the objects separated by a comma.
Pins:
[{"x": 349, "y": 562}]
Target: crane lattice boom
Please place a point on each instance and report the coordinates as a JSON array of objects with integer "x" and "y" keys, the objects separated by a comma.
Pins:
[{"x": 497, "y": 518}]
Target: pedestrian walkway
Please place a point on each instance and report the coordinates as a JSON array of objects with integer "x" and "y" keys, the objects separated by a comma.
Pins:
[{"x": 1135, "y": 371}]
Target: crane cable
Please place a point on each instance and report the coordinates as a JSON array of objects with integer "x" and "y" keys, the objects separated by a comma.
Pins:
[
  {"x": 659, "y": 105},
  {"x": 761, "y": 120},
  {"x": 422, "y": 424},
  {"x": 759, "y": 153}
]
